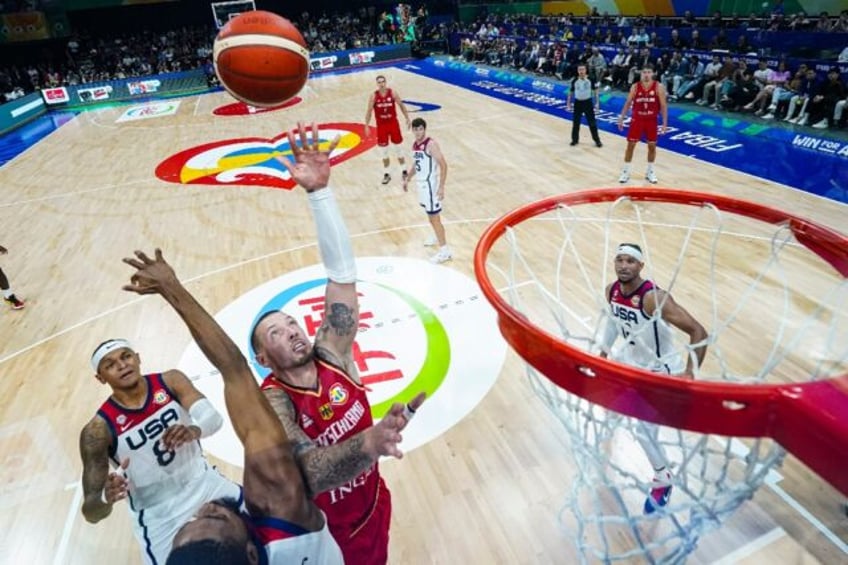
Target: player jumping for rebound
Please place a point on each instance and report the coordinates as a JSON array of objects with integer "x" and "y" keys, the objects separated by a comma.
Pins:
[
  {"x": 430, "y": 170},
  {"x": 647, "y": 97},
  {"x": 641, "y": 314},
  {"x": 382, "y": 103}
]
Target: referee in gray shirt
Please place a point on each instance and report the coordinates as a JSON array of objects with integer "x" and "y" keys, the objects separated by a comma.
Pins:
[{"x": 586, "y": 99}]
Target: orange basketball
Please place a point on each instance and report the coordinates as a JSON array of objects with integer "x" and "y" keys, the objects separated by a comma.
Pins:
[{"x": 261, "y": 58}]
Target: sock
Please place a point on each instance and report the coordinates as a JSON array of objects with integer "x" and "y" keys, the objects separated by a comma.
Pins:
[
  {"x": 650, "y": 168},
  {"x": 8, "y": 293},
  {"x": 445, "y": 248},
  {"x": 626, "y": 168}
]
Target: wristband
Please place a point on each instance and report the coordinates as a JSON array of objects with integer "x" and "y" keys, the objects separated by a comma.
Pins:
[{"x": 408, "y": 412}]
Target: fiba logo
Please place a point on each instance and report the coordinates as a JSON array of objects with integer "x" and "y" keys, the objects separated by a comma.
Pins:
[{"x": 422, "y": 327}]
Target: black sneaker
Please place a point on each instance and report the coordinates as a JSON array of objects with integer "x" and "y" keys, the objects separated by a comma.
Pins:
[
  {"x": 404, "y": 174},
  {"x": 387, "y": 178},
  {"x": 573, "y": 143},
  {"x": 14, "y": 302},
  {"x": 598, "y": 143}
]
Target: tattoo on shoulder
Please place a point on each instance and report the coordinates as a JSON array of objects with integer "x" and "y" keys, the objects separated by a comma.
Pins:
[{"x": 341, "y": 319}]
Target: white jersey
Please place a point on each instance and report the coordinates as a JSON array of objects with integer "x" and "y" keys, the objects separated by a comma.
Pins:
[
  {"x": 166, "y": 488},
  {"x": 427, "y": 177},
  {"x": 648, "y": 341},
  {"x": 286, "y": 543}
]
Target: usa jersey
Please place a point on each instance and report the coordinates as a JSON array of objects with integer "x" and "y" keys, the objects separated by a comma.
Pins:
[
  {"x": 154, "y": 474},
  {"x": 426, "y": 167},
  {"x": 646, "y": 102},
  {"x": 285, "y": 543},
  {"x": 336, "y": 410},
  {"x": 384, "y": 107},
  {"x": 649, "y": 341}
]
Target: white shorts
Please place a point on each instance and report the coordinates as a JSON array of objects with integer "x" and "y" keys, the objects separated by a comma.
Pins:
[
  {"x": 670, "y": 365},
  {"x": 314, "y": 548},
  {"x": 427, "y": 197},
  {"x": 156, "y": 526}
]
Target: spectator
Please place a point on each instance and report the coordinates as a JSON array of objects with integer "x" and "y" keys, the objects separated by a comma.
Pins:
[
  {"x": 693, "y": 78},
  {"x": 696, "y": 42},
  {"x": 808, "y": 89},
  {"x": 676, "y": 41},
  {"x": 744, "y": 90},
  {"x": 597, "y": 66},
  {"x": 823, "y": 105},
  {"x": 742, "y": 45},
  {"x": 674, "y": 72},
  {"x": 719, "y": 83},
  {"x": 777, "y": 80}
]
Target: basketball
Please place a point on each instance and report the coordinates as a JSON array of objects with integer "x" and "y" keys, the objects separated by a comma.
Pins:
[{"x": 261, "y": 58}]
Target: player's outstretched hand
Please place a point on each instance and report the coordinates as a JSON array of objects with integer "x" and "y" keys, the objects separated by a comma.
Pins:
[
  {"x": 383, "y": 438},
  {"x": 117, "y": 485},
  {"x": 152, "y": 276},
  {"x": 311, "y": 166}
]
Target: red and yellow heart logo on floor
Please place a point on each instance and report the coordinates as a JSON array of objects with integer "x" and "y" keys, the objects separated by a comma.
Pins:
[
  {"x": 250, "y": 160},
  {"x": 242, "y": 109}
]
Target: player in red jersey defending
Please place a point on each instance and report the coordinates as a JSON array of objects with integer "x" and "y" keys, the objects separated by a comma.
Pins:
[
  {"x": 382, "y": 104},
  {"x": 647, "y": 97}
]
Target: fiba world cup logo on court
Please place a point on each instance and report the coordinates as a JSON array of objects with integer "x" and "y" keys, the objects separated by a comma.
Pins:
[{"x": 422, "y": 327}]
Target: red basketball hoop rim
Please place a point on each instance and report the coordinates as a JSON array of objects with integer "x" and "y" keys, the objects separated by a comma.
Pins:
[{"x": 805, "y": 418}]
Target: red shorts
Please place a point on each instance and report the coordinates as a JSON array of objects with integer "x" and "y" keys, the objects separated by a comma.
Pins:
[
  {"x": 369, "y": 544},
  {"x": 646, "y": 128},
  {"x": 386, "y": 131}
]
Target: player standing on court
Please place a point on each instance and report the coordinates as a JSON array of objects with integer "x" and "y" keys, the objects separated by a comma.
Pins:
[
  {"x": 382, "y": 103},
  {"x": 8, "y": 295},
  {"x": 641, "y": 314},
  {"x": 430, "y": 171},
  {"x": 585, "y": 93},
  {"x": 283, "y": 525},
  {"x": 148, "y": 428},
  {"x": 315, "y": 388},
  {"x": 647, "y": 97}
]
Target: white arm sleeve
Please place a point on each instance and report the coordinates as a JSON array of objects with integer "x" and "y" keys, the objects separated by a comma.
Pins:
[
  {"x": 610, "y": 334},
  {"x": 204, "y": 416},
  {"x": 333, "y": 239}
]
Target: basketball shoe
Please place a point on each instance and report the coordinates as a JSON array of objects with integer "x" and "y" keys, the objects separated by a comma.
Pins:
[
  {"x": 625, "y": 176},
  {"x": 431, "y": 241},
  {"x": 387, "y": 178},
  {"x": 651, "y": 177},
  {"x": 660, "y": 491},
  {"x": 443, "y": 255},
  {"x": 14, "y": 303}
]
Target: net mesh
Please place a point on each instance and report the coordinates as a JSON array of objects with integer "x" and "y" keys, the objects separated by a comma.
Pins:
[
  {"x": 222, "y": 12},
  {"x": 774, "y": 312}
]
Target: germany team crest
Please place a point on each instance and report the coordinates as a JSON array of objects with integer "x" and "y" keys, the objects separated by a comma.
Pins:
[{"x": 251, "y": 160}]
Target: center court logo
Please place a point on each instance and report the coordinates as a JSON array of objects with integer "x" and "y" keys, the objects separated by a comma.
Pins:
[
  {"x": 423, "y": 327},
  {"x": 250, "y": 160}
]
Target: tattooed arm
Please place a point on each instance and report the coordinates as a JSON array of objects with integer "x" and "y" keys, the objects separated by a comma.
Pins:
[
  {"x": 324, "y": 468},
  {"x": 94, "y": 450}
]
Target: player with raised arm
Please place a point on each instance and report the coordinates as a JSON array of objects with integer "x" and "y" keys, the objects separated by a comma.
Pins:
[
  {"x": 283, "y": 525},
  {"x": 642, "y": 315},
  {"x": 315, "y": 388},
  {"x": 149, "y": 430},
  {"x": 648, "y": 100},
  {"x": 430, "y": 169},
  {"x": 383, "y": 103}
]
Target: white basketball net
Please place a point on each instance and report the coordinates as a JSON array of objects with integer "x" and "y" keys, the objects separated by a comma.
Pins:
[{"x": 774, "y": 312}]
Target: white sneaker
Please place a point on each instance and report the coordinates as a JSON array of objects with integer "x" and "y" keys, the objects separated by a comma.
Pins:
[
  {"x": 768, "y": 116},
  {"x": 794, "y": 120},
  {"x": 443, "y": 255},
  {"x": 431, "y": 241},
  {"x": 803, "y": 120},
  {"x": 821, "y": 125},
  {"x": 625, "y": 176},
  {"x": 651, "y": 177}
]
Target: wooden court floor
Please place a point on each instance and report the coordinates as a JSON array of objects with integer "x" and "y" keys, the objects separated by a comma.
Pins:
[{"x": 488, "y": 490}]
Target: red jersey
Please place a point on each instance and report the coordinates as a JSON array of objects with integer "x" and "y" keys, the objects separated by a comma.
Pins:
[
  {"x": 384, "y": 107},
  {"x": 646, "y": 102},
  {"x": 336, "y": 410}
]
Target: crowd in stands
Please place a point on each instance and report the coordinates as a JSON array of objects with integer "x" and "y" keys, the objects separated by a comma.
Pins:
[
  {"x": 89, "y": 57},
  {"x": 802, "y": 95}
]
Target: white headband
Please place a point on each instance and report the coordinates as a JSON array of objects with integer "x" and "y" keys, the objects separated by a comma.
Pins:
[
  {"x": 625, "y": 249},
  {"x": 105, "y": 349}
]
